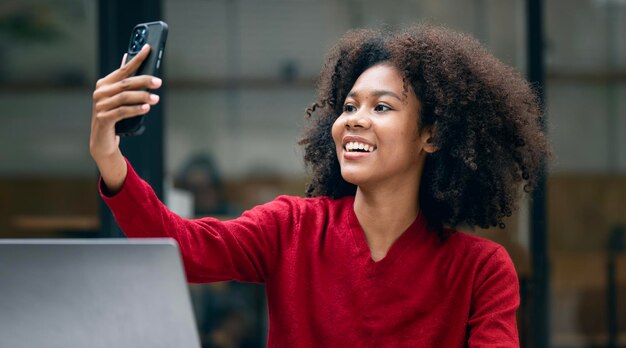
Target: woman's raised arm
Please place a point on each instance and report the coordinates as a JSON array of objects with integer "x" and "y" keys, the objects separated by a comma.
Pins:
[{"x": 117, "y": 96}]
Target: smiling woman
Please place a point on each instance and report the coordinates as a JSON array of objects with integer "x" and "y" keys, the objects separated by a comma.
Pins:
[
  {"x": 375, "y": 116},
  {"x": 480, "y": 114},
  {"x": 414, "y": 132}
]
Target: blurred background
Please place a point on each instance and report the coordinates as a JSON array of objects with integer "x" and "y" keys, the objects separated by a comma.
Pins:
[{"x": 238, "y": 76}]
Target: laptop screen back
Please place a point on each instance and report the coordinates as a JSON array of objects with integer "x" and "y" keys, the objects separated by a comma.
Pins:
[{"x": 94, "y": 293}]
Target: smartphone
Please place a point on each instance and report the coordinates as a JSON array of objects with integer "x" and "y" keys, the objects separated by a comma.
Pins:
[{"x": 154, "y": 34}]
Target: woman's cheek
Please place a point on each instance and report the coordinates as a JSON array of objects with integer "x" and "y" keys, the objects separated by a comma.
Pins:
[{"x": 337, "y": 129}]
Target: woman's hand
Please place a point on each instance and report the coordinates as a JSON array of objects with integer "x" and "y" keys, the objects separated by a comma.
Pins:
[{"x": 117, "y": 96}]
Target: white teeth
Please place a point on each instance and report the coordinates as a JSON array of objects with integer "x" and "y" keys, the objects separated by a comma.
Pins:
[{"x": 351, "y": 146}]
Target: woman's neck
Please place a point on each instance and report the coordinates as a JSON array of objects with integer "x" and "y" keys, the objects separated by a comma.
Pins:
[{"x": 384, "y": 215}]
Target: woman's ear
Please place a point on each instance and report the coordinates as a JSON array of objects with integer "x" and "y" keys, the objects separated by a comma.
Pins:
[{"x": 427, "y": 141}]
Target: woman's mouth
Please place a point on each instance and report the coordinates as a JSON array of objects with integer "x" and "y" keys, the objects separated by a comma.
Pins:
[{"x": 355, "y": 146}]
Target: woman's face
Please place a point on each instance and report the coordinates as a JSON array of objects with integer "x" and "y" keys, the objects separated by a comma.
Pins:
[{"x": 377, "y": 137}]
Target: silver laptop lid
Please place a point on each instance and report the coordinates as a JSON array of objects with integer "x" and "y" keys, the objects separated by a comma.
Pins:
[{"x": 94, "y": 293}]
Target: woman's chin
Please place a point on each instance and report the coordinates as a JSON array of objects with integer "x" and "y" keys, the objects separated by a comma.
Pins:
[{"x": 357, "y": 179}]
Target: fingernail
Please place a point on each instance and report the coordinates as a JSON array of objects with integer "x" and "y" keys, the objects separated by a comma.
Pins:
[
  {"x": 154, "y": 98},
  {"x": 145, "y": 107},
  {"x": 156, "y": 81},
  {"x": 144, "y": 46}
]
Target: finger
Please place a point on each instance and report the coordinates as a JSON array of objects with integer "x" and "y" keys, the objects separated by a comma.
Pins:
[
  {"x": 123, "y": 112},
  {"x": 124, "y": 59},
  {"x": 133, "y": 64},
  {"x": 127, "y": 98},
  {"x": 128, "y": 69},
  {"x": 134, "y": 83}
]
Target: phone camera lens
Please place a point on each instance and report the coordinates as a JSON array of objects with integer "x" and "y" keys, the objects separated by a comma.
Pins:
[{"x": 138, "y": 39}]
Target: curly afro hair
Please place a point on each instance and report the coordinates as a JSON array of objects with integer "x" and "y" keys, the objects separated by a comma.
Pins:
[{"x": 485, "y": 120}]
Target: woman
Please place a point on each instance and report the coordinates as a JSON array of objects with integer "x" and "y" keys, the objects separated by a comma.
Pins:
[{"x": 413, "y": 133}]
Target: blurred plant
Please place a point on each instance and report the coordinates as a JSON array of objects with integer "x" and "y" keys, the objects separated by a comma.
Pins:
[{"x": 21, "y": 22}]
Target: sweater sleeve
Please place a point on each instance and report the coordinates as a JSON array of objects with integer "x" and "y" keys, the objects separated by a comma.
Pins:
[
  {"x": 495, "y": 301},
  {"x": 242, "y": 249}
]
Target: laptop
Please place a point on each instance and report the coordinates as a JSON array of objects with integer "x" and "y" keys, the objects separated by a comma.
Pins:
[{"x": 94, "y": 293}]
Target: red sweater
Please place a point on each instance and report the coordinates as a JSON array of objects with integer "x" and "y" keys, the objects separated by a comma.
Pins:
[{"x": 323, "y": 288}]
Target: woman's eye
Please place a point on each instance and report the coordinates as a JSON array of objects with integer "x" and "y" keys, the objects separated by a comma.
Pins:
[
  {"x": 381, "y": 108},
  {"x": 349, "y": 108}
]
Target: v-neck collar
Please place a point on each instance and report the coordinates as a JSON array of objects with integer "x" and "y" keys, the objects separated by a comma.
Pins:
[{"x": 402, "y": 244}]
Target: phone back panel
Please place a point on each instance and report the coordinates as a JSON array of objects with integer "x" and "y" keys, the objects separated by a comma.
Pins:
[{"x": 155, "y": 36}]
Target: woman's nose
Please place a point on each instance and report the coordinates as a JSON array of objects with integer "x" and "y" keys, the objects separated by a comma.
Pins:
[{"x": 358, "y": 120}]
